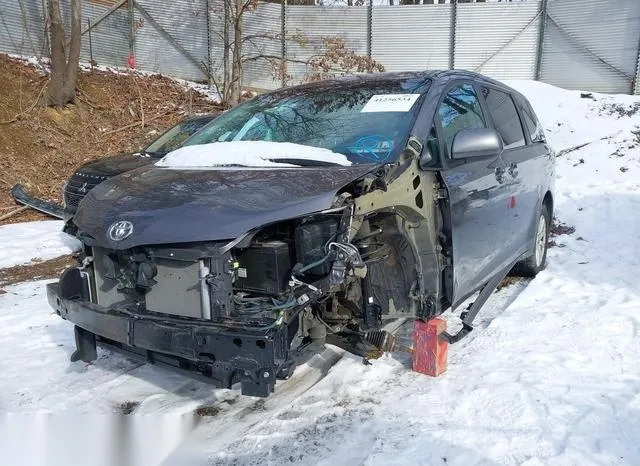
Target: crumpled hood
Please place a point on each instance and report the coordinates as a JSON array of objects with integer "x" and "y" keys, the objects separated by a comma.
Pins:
[{"x": 179, "y": 206}]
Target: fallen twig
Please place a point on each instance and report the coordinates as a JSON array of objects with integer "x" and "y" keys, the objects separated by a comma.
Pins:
[
  {"x": 17, "y": 117},
  {"x": 14, "y": 212},
  {"x": 83, "y": 98},
  {"x": 131, "y": 125},
  {"x": 572, "y": 149},
  {"x": 140, "y": 99},
  {"x": 568, "y": 150},
  {"x": 122, "y": 128}
]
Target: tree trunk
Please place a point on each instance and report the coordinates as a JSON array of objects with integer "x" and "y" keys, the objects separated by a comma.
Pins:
[
  {"x": 71, "y": 74},
  {"x": 225, "y": 59},
  {"x": 64, "y": 71},
  {"x": 58, "y": 57},
  {"x": 235, "y": 87}
]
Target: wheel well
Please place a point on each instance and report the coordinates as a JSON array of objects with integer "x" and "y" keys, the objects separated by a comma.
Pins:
[{"x": 547, "y": 201}]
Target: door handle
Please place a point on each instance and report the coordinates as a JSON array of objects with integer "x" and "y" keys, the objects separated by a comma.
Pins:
[
  {"x": 499, "y": 174},
  {"x": 513, "y": 170}
]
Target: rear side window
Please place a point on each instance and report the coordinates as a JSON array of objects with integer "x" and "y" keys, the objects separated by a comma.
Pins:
[
  {"x": 505, "y": 117},
  {"x": 459, "y": 110},
  {"x": 536, "y": 134}
]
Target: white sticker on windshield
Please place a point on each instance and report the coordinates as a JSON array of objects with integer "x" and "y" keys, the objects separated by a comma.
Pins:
[{"x": 390, "y": 103}]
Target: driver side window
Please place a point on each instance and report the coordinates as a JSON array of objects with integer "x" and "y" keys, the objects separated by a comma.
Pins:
[{"x": 459, "y": 110}]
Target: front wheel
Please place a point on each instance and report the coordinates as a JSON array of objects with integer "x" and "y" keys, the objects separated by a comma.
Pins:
[{"x": 530, "y": 266}]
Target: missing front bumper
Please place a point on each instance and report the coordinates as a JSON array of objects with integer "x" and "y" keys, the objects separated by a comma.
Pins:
[{"x": 223, "y": 356}]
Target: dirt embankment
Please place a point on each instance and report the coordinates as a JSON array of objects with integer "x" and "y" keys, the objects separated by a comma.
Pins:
[
  {"x": 36, "y": 270},
  {"x": 40, "y": 147}
]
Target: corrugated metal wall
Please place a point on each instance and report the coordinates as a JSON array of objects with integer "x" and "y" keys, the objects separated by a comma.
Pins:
[
  {"x": 411, "y": 37},
  {"x": 588, "y": 44},
  {"x": 22, "y": 31},
  {"x": 499, "y": 40},
  {"x": 22, "y": 27},
  {"x": 314, "y": 22},
  {"x": 591, "y": 45},
  {"x": 262, "y": 35},
  {"x": 216, "y": 29},
  {"x": 636, "y": 87},
  {"x": 109, "y": 39},
  {"x": 186, "y": 22}
]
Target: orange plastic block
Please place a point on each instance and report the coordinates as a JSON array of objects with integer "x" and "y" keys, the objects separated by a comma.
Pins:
[{"x": 429, "y": 351}]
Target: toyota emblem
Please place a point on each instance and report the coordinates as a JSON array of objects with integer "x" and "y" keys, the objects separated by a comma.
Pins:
[{"x": 120, "y": 230}]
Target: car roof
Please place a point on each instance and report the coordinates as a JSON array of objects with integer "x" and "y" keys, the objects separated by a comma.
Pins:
[
  {"x": 355, "y": 80},
  {"x": 385, "y": 77}
]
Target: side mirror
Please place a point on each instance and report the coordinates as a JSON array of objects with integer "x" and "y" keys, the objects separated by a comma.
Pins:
[{"x": 478, "y": 142}]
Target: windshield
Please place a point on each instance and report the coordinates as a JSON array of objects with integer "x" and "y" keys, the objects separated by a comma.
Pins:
[
  {"x": 366, "y": 121},
  {"x": 175, "y": 137}
]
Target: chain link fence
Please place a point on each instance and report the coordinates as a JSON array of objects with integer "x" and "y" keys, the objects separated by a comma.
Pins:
[{"x": 576, "y": 44}]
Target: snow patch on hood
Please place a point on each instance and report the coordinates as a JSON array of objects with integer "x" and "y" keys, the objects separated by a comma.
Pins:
[{"x": 247, "y": 153}]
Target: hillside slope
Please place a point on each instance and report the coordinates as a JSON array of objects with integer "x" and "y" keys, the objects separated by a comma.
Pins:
[{"x": 116, "y": 112}]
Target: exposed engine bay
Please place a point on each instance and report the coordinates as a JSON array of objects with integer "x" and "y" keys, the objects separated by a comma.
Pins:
[
  {"x": 268, "y": 278},
  {"x": 338, "y": 273}
]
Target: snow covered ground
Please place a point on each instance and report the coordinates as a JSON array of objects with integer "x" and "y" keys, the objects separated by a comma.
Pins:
[
  {"x": 551, "y": 375},
  {"x": 21, "y": 243}
]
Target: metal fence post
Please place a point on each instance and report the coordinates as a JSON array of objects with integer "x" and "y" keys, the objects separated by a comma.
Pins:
[
  {"x": 209, "y": 62},
  {"x": 45, "y": 15},
  {"x": 283, "y": 41},
  {"x": 452, "y": 37},
  {"x": 541, "y": 29},
  {"x": 369, "y": 26},
  {"x": 91, "y": 62},
  {"x": 636, "y": 81},
  {"x": 132, "y": 34}
]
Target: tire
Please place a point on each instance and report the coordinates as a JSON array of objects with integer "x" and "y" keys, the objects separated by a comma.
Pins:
[{"x": 533, "y": 264}]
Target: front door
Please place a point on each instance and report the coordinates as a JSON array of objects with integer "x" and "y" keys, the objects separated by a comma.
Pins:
[{"x": 478, "y": 194}]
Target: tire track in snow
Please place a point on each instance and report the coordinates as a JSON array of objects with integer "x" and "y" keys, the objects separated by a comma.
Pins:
[
  {"x": 290, "y": 410},
  {"x": 247, "y": 415}
]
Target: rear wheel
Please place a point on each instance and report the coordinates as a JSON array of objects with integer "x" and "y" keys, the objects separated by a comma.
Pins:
[{"x": 530, "y": 266}]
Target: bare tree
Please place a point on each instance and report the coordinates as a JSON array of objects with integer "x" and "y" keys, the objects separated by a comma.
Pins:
[
  {"x": 64, "y": 68},
  {"x": 235, "y": 86},
  {"x": 231, "y": 14},
  {"x": 333, "y": 57}
]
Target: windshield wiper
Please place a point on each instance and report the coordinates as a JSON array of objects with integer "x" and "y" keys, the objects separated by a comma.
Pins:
[
  {"x": 153, "y": 154},
  {"x": 306, "y": 162}
]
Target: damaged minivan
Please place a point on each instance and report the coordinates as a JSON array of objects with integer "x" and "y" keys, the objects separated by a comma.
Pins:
[{"x": 329, "y": 208}]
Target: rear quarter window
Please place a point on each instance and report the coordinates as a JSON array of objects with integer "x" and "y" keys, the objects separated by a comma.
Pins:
[
  {"x": 534, "y": 128},
  {"x": 505, "y": 117}
]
